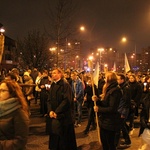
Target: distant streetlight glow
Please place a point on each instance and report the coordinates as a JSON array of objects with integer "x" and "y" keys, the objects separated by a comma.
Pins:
[
  {"x": 69, "y": 44},
  {"x": 124, "y": 39},
  {"x": 82, "y": 28},
  {"x": 2, "y": 30},
  {"x": 91, "y": 58},
  {"x": 52, "y": 49}
]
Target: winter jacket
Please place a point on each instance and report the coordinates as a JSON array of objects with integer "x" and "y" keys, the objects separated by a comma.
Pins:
[
  {"x": 14, "y": 130},
  {"x": 108, "y": 108}
]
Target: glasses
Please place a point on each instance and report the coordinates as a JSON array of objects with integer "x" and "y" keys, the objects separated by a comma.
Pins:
[{"x": 3, "y": 90}]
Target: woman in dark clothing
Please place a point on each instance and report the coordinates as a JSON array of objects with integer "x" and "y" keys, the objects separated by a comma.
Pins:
[
  {"x": 89, "y": 103},
  {"x": 60, "y": 103},
  {"x": 108, "y": 111},
  {"x": 136, "y": 94}
]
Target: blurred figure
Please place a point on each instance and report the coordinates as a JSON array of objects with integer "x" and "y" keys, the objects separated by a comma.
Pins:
[
  {"x": 107, "y": 107},
  {"x": 60, "y": 106},
  {"x": 78, "y": 91},
  {"x": 14, "y": 118},
  {"x": 16, "y": 72},
  {"x": 44, "y": 82},
  {"x": 27, "y": 89},
  {"x": 145, "y": 87},
  {"x": 101, "y": 83},
  {"x": 145, "y": 123},
  {"x": 67, "y": 77},
  {"x": 37, "y": 89},
  {"x": 124, "y": 110},
  {"x": 136, "y": 94},
  {"x": 88, "y": 92},
  {"x": 34, "y": 74},
  {"x": 11, "y": 76}
]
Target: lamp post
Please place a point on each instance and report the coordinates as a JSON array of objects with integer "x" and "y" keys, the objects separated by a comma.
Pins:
[
  {"x": 2, "y": 39},
  {"x": 76, "y": 62},
  {"x": 124, "y": 39},
  {"x": 100, "y": 57}
]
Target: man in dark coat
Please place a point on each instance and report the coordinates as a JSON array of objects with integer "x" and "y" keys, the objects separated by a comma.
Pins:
[
  {"x": 125, "y": 103},
  {"x": 44, "y": 92},
  {"x": 60, "y": 102}
]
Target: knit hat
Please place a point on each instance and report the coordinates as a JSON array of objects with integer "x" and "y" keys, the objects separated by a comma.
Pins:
[{"x": 26, "y": 74}]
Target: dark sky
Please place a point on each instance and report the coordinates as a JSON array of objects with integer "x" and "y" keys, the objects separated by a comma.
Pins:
[{"x": 106, "y": 21}]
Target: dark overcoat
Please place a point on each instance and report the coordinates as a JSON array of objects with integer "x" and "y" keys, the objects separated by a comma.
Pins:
[{"x": 60, "y": 100}]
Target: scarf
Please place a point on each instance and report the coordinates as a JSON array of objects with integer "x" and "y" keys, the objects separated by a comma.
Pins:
[{"x": 8, "y": 106}]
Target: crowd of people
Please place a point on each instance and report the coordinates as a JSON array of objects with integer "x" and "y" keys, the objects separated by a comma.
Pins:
[{"x": 62, "y": 94}]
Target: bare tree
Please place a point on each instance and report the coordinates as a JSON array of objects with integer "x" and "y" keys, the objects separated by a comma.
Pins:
[
  {"x": 33, "y": 50},
  {"x": 61, "y": 25}
]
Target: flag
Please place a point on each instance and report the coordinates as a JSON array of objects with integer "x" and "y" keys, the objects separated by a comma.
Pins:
[
  {"x": 96, "y": 75},
  {"x": 127, "y": 66},
  {"x": 90, "y": 64}
]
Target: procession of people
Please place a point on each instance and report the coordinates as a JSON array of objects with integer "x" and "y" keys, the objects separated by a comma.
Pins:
[{"x": 118, "y": 99}]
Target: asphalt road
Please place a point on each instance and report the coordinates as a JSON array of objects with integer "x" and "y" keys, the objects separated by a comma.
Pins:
[{"x": 38, "y": 139}]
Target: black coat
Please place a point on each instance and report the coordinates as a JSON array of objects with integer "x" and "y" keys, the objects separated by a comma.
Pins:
[
  {"x": 108, "y": 109},
  {"x": 89, "y": 92},
  {"x": 144, "y": 115},
  {"x": 136, "y": 92},
  {"x": 60, "y": 100}
]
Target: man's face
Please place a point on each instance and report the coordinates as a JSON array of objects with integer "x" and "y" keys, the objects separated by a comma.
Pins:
[
  {"x": 73, "y": 77},
  {"x": 119, "y": 80},
  {"x": 56, "y": 75},
  {"x": 66, "y": 75}
]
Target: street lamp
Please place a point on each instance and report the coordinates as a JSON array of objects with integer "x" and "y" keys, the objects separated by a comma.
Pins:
[
  {"x": 124, "y": 39},
  {"x": 82, "y": 28},
  {"x": 100, "y": 57}
]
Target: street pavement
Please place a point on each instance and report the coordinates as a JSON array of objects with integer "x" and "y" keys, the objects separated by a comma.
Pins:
[{"x": 38, "y": 139}]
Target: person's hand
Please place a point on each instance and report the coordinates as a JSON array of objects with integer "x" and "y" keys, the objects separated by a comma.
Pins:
[
  {"x": 75, "y": 99},
  {"x": 42, "y": 86},
  {"x": 95, "y": 108},
  {"x": 85, "y": 98},
  {"x": 52, "y": 114},
  {"x": 94, "y": 98},
  {"x": 122, "y": 116}
]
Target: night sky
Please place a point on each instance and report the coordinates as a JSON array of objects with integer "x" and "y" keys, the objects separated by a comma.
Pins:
[{"x": 106, "y": 21}]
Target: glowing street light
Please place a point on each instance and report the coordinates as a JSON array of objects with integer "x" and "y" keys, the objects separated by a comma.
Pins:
[
  {"x": 52, "y": 49},
  {"x": 2, "y": 30},
  {"x": 124, "y": 40},
  {"x": 82, "y": 28}
]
